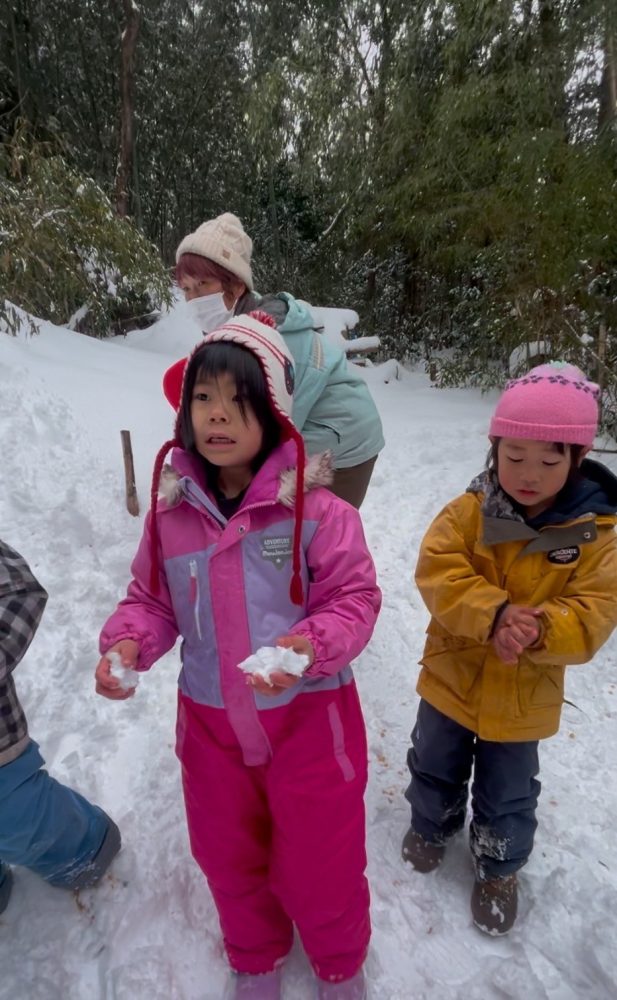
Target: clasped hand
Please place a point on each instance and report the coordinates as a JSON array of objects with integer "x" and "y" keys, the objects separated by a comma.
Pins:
[{"x": 517, "y": 628}]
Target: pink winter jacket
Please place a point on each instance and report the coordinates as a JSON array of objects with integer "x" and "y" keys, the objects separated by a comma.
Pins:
[{"x": 225, "y": 590}]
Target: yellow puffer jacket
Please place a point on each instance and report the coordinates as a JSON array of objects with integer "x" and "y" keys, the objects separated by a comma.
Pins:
[{"x": 470, "y": 564}]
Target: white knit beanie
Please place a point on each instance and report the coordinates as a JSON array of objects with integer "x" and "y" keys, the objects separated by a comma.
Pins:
[{"x": 223, "y": 241}]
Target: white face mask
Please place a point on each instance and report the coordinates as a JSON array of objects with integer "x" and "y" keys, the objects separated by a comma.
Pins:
[{"x": 209, "y": 311}]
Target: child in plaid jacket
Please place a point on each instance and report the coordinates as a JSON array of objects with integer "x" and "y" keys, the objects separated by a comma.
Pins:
[{"x": 44, "y": 825}]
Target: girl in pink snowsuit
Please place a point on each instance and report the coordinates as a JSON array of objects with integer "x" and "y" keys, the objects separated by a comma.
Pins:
[{"x": 247, "y": 551}]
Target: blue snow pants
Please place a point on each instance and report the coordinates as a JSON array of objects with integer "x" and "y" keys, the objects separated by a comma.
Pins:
[
  {"x": 504, "y": 793},
  {"x": 44, "y": 825}
]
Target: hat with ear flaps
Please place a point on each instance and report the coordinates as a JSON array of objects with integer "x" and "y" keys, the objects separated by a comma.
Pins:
[{"x": 257, "y": 333}]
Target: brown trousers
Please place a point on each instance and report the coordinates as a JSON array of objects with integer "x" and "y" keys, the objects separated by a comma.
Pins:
[{"x": 351, "y": 484}]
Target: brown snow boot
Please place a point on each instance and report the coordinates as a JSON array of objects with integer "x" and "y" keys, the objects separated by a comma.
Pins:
[
  {"x": 420, "y": 853},
  {"x": 494, "y": 904}
]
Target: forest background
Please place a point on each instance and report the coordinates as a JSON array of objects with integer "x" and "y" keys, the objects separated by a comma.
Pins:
[{"x": 447, "y": 169}]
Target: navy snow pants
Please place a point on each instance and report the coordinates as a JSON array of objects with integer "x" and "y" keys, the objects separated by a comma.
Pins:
[{"x": 504, "y": 792}]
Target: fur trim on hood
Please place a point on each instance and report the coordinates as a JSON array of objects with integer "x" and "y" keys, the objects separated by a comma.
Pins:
[
  {"x": 496, "y": 503},
  {"x": 317, "y": 472},
  {"x": 169, "y": 488}
]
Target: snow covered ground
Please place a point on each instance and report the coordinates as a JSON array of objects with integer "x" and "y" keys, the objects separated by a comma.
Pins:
[{"x": 149, "y": 932}]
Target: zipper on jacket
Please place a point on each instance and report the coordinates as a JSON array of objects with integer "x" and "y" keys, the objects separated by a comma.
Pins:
[
  {"x": 256, "y": 506},
  {"x": 194, "y": 594}
]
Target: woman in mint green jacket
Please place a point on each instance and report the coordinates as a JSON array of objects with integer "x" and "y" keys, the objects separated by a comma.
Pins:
[{"x": 333, "y": 407}]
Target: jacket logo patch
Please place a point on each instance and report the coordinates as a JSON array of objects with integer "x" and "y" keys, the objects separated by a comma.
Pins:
[
  {"x": 277, "y": 550},
  {"x": 563, "y": 556}
]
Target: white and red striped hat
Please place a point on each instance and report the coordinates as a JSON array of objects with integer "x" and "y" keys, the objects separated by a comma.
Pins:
[{"x": 255, "y": 332}]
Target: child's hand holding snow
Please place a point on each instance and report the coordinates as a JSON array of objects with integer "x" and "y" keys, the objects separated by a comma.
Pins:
[
  {"x": 115, "y": 677},
  {"x": 127, "y": 677},
  {"x": 273, "y": 669},
  {"x": 269, "y": 660}
]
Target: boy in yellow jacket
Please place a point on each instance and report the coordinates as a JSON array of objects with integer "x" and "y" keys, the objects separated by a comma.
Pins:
[{"x": 520, "y": 576}]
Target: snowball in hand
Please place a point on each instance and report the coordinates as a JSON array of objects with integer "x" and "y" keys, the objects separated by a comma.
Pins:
[
  {"x": 128, "y": 677},
  {"x": 270, "y": 658}
]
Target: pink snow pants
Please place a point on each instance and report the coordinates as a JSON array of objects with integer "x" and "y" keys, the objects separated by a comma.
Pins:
[{"x": 283, "y": 843}]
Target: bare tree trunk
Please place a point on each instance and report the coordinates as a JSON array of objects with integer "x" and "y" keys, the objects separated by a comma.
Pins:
[
  {"x": 608, "y": 85},
  {"x": 90, "y": 90},
  {"x": 17, "y": 70},
  {"x": 601, "y": 376},
  {"x": 276, "y": 243},
  {"x": 257, "y": 63},
  {"x": 371, "y": 295},
  {"x": 127, "y": 94},
  {"x": 136, "y": 188},
  {"x": 551, "y": 68}
]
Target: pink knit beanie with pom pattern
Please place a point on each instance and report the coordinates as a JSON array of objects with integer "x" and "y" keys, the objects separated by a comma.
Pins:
[{"x": 553, "y": 402}]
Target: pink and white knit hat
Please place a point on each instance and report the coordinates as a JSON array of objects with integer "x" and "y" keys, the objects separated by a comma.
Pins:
[
  {"x": 257, "y": 333},
  {"x": 553, "y": 402}
]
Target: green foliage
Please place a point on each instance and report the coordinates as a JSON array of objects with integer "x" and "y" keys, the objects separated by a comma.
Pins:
[
  {"x": 447, "y": 169},
  {"x": 381, "y": 290},
  {"x": 64, "y": 255},
  {"x": 506, "y": 196}
]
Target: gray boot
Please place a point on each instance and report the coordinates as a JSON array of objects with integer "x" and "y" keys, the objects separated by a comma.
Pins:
[{"x": 93, "y": 872}]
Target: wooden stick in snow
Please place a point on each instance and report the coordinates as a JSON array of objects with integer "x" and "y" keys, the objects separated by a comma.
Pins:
[{"x": 132, "y": 501}]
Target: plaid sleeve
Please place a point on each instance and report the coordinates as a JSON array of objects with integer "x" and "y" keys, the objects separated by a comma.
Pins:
[{"x": 22, "y": 602}]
